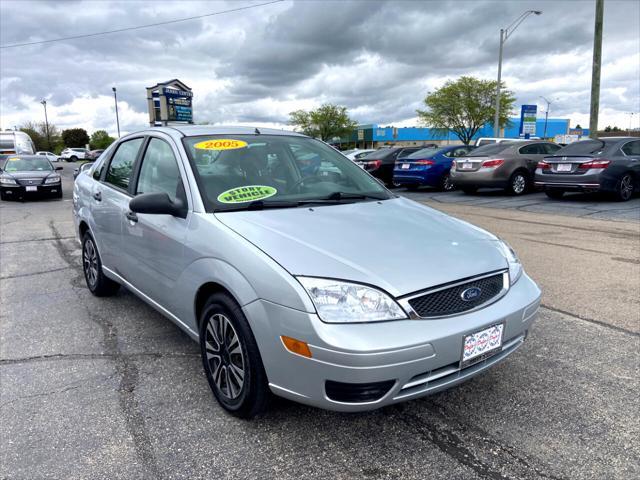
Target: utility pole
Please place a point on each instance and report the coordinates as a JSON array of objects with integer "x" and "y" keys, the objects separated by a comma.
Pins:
[
  {"x": 505, "y": 33},
  {"x": 546, "y": 116},
  {"x": 46, "y": 123},
  {"x": 595, "y": 72},
  {"x": 115, "y": 99}
]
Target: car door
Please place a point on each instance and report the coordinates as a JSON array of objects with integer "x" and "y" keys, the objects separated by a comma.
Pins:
[
  {"x": 530, "y": 155},
  {"x": 110, "y": 201},
  {"x": 153, "y": 244}
]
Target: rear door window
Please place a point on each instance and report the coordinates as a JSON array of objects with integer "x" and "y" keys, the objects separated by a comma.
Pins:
[
  {"x": 121, "y": 166},
  {"x": 533, "y": 149}
]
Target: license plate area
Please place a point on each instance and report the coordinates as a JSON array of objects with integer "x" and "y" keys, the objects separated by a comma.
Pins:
[
  {"x": 405, "y": 166},
  {"x": 467, "y": 166},
  {"x": 480, "y": 345},
  {"x": 564, "y": 167},
  {"x": 31, "y": 189}
]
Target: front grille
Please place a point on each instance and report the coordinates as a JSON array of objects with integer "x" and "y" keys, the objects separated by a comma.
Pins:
[
  {"x": 448, "y": 301},
  {"x": 30, "y": 181}
]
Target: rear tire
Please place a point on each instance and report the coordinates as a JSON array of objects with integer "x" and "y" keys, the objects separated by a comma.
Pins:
[
  {"x": 73, "y": 159},
  {"x": 518, "y": 183},
  {"x": 469, "y": 190},
  {"x": 231, "y": 358},
  {"x": 97, "y": 282},
  {"x": 555, "y": 194},
  {"x": 446, "y": 185},
  {"x": 625, "y": 188}
]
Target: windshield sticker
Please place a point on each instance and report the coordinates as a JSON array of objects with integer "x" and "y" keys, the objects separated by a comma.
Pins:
[
  {"x": 247, "y": 194},
  {"x": 220, "y": 144}
]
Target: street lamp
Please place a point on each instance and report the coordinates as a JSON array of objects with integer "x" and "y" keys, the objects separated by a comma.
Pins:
[
  {"x": 46, "y": 123},
  {"x": 505, "y": 33},
  {"x": 115, "y": 99},
  {"x": 546, "y": 116}
]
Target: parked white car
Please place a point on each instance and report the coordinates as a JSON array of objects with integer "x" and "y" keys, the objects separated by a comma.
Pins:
[
  {"x": 52, "y": 157},
  {"x": 75, "y": 154},
  {"x": 357, "y": 153}
]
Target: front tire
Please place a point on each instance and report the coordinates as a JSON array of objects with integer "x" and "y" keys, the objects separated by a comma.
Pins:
[
  {"x": 97, "y": 282},
  {"x": 231, "y": 358},
  {"x": 625, "y": 188},
  {"x": 446, "y": 185},
  {"x": 73, "y": 159},
  {"x": 518, "y": 183}
]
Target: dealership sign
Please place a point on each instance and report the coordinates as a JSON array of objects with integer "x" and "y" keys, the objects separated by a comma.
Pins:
[
  {"x": 170, "y": 102},
  {"x": 528, "y": 117}
]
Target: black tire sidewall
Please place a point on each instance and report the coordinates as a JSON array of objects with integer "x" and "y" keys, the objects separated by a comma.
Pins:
[
  {"x": 252, "y": 399},
  {"x": 104, "y": 286},
  {"x": 618, "y": 192}
]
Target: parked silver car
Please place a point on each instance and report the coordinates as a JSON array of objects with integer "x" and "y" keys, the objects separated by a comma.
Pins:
[{"x": 258, "y": 244}]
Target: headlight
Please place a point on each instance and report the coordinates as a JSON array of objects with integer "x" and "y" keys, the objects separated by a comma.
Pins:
[
  {"x": 344, "y": 302},
  {"x": 7, "y": 181},
  {"x": 515, "y": 267},
  {"x": 52, "y": 179}
]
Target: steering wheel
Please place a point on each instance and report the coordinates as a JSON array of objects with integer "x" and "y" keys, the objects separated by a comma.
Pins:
[{"x": 310, "y": 178}]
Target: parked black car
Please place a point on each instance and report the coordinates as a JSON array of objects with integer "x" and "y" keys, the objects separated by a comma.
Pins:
[
  {"x": 25, "y": 175},
  {"x": 604, "y": 165},
  {"x": 381, "y": 163}
]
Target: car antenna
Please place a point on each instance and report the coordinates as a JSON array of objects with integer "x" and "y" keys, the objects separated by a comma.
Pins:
[{"x": 257, "y": 131}]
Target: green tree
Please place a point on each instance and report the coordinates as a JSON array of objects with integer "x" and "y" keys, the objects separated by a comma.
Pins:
[
  {"x": 325, "y": 122},
  {"x": 75, "y": 137},
  {"x": 464, "y": 106},
  {"x": 100, "y": 139}
]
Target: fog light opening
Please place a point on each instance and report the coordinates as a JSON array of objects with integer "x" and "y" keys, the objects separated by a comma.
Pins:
[{"x": 296, "y": 346}]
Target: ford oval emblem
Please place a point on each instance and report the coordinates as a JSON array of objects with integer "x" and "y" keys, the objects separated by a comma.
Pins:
[{"x": 470, "y": 294}]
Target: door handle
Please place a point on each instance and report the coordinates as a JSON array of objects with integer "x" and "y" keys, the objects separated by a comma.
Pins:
[
  {"x": 131, "y": 216},
  {"x": 98, "y": 196}
]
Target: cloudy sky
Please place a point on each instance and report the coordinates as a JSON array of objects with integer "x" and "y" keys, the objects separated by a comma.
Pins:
[{"x": 255, "y": 66}]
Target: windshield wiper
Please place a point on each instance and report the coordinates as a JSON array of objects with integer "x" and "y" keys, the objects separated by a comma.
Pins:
[{"x": 260, "y": 205}]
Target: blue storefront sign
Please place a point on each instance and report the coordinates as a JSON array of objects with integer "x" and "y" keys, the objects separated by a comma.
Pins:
[
  {"x": 528, "y": 117},
  {"x": 179, "y": 105}
]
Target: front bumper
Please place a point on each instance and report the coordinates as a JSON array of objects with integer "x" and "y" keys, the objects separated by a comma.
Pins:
[
  {"x": 416, "y": 357},
  {"x": 19, "y": 191}
]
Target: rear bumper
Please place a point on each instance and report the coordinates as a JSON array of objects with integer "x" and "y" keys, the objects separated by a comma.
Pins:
[
  {"x": 585, "y": 182},
  {"x": 412, "y": 358},
  {"x": 416, "y": 178},
  {"x": 479, "y": 178}
]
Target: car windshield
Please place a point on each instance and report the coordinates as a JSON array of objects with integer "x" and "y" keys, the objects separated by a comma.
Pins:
[
  {"x": 423, "y": 153},
  {"x": 491, "y": 149},
  {"x": 27, "y": 165},
  {"x": 275, "y": 171},
  {"x": 584, "y": 147}
]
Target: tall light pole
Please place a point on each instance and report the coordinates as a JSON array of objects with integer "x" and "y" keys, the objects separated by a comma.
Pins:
[
  {"x": 46, "y": 123},
  {"x": 505, "y": 33},
  {"x": 546, "y": 116},
  {"x": 115, "y": 99},
  {"x": 595, "y": 70}
]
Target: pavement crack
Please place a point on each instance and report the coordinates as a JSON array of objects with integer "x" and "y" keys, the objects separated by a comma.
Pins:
[
  {"x": 591, "y": 320},
  {"x": 93, "y": 356},
  {"x": 32, "y": 274},
  {"x": 46, "y": 239}
]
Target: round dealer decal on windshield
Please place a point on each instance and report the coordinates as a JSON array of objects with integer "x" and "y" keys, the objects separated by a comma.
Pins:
[
  {"x": 220, "y": 144},
  {"x": 247, "y": 194}
]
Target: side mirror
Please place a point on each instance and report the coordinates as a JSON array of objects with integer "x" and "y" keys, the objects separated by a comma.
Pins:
[
  {"x": 58, "y": 167},
  {"x": 158, "y": 204}
]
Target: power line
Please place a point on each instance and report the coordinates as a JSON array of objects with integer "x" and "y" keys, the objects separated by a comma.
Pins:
[{"x": 140, "y": 26}]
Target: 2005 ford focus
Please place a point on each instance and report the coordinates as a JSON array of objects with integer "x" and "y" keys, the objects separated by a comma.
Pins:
[{"x": 263, "y": 245}]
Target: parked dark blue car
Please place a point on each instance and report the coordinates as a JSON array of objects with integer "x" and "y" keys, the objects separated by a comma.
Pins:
[{"x": 428, "y": 167}]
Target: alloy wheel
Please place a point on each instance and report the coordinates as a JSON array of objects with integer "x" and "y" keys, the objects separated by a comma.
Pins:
[
  {"x": 225, "y": 357},
  {"x": 90, "y": 262},
  {"x": 447, "y": 184},
  {"x": 626, "y": 187},
  {"x": 518, "y": 184}
]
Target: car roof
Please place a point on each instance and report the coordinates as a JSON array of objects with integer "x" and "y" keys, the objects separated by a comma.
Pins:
[{"x": 200, "y": 130}]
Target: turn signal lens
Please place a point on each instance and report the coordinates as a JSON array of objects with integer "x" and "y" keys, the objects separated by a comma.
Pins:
[
  {"x": 296, "y": 346},
  {"x": 492, "y": 163},
  {"x": 594, "y": 164}
]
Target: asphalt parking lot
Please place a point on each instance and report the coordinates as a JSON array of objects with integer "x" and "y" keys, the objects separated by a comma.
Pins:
[{"x": 107, "y": 388}]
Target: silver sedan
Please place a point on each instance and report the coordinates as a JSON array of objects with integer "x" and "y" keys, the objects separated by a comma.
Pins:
[{"x": 265, "y": 247}]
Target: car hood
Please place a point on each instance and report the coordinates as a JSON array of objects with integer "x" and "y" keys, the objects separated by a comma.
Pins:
[
  {"x": 398, "y": 245},
  {"x": 29, "y": 174}
]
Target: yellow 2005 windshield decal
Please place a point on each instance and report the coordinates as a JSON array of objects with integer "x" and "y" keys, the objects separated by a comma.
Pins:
[
  {"x": 220, "y": 144},
  {"x": 247, "y": 194}
]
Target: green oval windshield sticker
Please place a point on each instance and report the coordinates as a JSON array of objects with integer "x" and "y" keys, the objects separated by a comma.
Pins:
[{"x": 247, "y": 194}]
